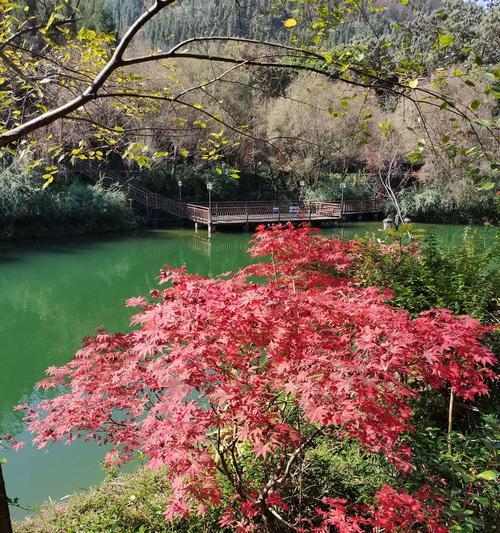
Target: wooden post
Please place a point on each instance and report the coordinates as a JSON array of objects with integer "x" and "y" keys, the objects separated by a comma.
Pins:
[
  {"x": 5, "y": 522},
  {"x": 196, "y": 227}
]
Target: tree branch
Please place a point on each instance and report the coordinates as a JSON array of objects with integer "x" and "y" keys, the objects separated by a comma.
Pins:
[{"x": 90, "y": 93}]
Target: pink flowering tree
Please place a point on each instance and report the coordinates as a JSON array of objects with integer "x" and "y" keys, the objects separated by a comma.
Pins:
[{"x": 252, "y": 368}]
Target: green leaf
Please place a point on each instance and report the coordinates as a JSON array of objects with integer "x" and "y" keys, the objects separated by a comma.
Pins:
[
  {"x": 488, "y": 475},
  {"x": 445, "y": 39},
  {"x": 475, "y": 104},
  {"x": 344, "y": 103}
]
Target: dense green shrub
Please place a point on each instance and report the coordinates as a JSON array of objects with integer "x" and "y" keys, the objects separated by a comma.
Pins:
[
  {"x": 329, "y": 188},
  {"x": 74, "y": 207},
  {"x": 466, "y": 472},
  {"x": 433, "y": 205},
  {"x": 463, "y": 278}
]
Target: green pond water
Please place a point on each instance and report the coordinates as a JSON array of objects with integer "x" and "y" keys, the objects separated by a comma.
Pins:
[{"x": 55, "y": 292}]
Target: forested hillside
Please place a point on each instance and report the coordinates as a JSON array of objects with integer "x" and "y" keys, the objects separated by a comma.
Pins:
[{"x": 413, "y": 29}]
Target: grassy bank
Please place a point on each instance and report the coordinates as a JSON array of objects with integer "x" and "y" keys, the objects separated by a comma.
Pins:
[{"x": 125, "y": 503}]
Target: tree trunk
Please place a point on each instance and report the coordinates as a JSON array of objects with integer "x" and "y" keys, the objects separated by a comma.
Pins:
[
  {"x": 5, "y": 523},
  {"x": 450, "y": 421}
]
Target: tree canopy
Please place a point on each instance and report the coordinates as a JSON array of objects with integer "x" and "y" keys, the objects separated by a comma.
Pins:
[{"x": 73, "y": 91}]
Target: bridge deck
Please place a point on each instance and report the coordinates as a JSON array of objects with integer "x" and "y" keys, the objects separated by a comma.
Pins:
[{"x": 252, "y": 212}]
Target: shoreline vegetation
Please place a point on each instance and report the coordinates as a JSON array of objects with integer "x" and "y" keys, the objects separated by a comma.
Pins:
[
  {"x": 64, "y": 209},
  {"x": 76, "y": 207}
]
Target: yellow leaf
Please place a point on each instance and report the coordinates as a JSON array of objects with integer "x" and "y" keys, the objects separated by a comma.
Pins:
[
  {"x": 413, "y": 83},
  {"x": 184, "y": 153},
  {"x": 49, "y": 179},
  {"x": 290, "y": 23}
]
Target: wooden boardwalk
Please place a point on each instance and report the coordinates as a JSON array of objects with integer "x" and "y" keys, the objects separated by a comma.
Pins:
[
  {"x": 273, "y": 212},
  {"x": 251, "y": 213}
]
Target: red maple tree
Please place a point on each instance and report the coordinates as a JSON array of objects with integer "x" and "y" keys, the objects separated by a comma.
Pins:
[{"x": 256, "y": 365}]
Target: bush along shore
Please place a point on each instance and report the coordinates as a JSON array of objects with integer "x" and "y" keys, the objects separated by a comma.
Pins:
[{"x": 74, "y": 208}]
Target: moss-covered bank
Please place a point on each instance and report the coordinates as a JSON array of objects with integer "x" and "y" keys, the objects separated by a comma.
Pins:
[{"x": 127, "y": 503}]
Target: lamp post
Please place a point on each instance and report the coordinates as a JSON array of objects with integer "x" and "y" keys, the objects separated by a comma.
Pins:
[
  {"x": 179, "y": 183},
  {"x": 302, "y": 184},
  {"x": 210, "y": 186},
  {"x": 343, "y": 185}
]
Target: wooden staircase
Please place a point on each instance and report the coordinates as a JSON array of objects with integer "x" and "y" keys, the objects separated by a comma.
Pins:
[{"x": 153, "y": 201}]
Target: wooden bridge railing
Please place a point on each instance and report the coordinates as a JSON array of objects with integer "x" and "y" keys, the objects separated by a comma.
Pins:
[
  {"x": 153, "y": 200},
  {"x": 261, "y": 211},
  {"x": 361, "y": 206},
  {"x": 198, "y": 213},
  {"x": 250, "y": 212}
]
